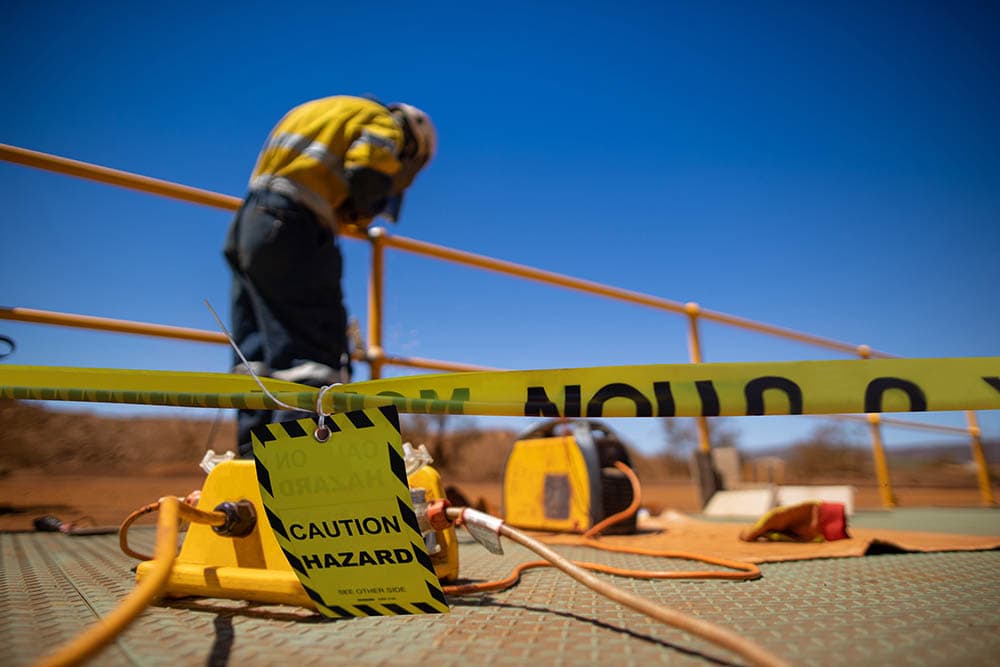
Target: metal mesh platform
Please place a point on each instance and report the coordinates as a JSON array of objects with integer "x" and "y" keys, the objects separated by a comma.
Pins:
[{"x": 899, "y": 609}]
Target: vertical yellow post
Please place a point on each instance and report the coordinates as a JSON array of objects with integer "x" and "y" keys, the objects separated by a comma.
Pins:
[
  {"x": 375, "y": 352},
  {"x": 881, "y": 467},
  {"x": 878, "y": 451},
  {"x": 982, "y": 469},
  {"x": 694, "y": 348}
]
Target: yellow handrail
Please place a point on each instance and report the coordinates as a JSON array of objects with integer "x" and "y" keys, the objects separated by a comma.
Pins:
[
  {"x": 590, "y": 287},
  {"x": 888, "y": 421},
  {"x": 108, "y": 324},
  {"x": 375, "y": 355},
  {"x": 124, "y": 179},
  {"x": 128, "y": 180}
]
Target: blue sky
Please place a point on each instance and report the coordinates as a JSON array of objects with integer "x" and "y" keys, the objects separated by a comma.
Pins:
[{"x": 832, "y": 170}]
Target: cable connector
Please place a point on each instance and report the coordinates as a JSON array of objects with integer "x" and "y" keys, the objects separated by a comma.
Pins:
[
  {"x": 241, "y": 518},
  {"x": 484, "y": 528},
  {"x": 437, "y": 514}
]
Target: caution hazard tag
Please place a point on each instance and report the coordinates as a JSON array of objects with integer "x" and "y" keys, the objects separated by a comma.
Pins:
[{"x": 342, "y": 513}]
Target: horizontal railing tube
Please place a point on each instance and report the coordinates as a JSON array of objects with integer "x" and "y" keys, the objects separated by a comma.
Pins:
[
  {"x": 123, "y": 179},
  {"x": 110, "y": 324},
  {"x": 590, "y": 287}
]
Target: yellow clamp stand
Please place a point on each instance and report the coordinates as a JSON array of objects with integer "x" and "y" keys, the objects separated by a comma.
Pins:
[{"x": 254, "y": 567}]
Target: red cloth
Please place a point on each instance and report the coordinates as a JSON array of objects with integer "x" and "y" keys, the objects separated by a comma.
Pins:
[{"x": 833, "y": 521}]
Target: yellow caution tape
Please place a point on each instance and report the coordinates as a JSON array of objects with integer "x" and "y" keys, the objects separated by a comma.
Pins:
[
  {"x": 668, "y": 390},
  {"x": 685, "y": 390},
  {"x": 175, "y": 388}
]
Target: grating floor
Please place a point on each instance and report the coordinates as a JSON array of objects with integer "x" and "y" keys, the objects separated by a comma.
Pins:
[{"x": 899, "y": 609}]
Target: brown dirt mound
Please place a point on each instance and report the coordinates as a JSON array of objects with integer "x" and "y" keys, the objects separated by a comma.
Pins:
[{"x": 41, "y": 440}]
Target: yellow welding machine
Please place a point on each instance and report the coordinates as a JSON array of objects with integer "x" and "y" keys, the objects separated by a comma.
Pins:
[{"x": 560, "y": 476}]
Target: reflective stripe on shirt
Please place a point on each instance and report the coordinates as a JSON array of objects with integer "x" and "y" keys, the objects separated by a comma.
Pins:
[
  {"x": 302, "y": 145},
  {"x": 376, "y": 140}
]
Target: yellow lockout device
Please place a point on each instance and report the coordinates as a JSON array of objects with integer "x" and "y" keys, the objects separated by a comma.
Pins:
[
  {"x": 254, "y": 567},
  {"x": 442, "y": 545},
  {"x": 560, "y": 476}
]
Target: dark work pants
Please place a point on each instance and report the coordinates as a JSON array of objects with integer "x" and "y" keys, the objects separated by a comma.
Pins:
[{"x": 287, "y": 307}]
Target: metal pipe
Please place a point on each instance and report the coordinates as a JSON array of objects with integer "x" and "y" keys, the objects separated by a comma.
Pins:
[
  {"x": 548, "y": 277},
  {"x": 109, "y": 324},
  {"x": 375, "y": 352},
  {"x": 131, "y": 181},
  {"x": 692, "y": 310},
  {"x": 887, "y": 421},
  {"x": 881, "y": 467},
  {"x": 181, "y": 333},
  {"x": 982, "y": 469},
  {"x": 434, "y": 364},
  {"x": 123, "y": 179}
]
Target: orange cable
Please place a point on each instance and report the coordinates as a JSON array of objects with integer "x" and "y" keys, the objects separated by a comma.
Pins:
[
  {"x": 742, "y": 571},
  {"x": 127, "y": 523},
  {"x": 633, "y": 507},
  {"x": 145, "y": 593},
  {"x": 184, "y": 511}
]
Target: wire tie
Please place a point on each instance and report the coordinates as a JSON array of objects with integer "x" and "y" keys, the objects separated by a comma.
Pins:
[
  {"x": 322, "y": 433},
  {"x": 247, "y": 364}
]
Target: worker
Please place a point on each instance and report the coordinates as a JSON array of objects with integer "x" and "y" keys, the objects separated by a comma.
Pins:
[{"x": 329, "y": 163}]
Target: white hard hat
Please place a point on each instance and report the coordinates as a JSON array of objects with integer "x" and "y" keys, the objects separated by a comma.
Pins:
[{"x": 422, "y": 130}]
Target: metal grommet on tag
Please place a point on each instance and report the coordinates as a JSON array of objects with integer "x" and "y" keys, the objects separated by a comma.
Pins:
[{"x": 322, "y": 432}]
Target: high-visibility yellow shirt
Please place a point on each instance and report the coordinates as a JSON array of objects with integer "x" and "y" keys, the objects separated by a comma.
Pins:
[{"x": 309, "y": 151}]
